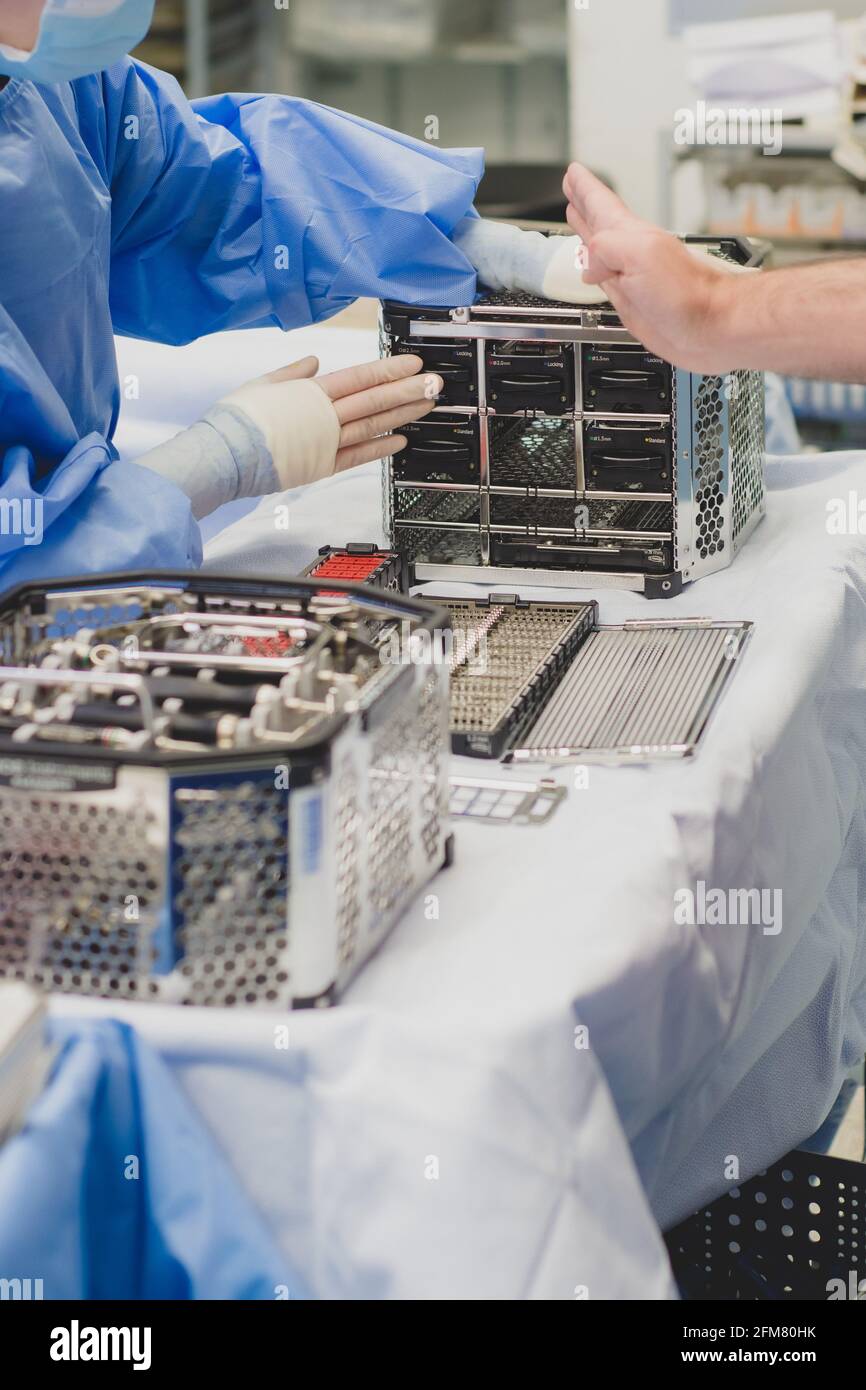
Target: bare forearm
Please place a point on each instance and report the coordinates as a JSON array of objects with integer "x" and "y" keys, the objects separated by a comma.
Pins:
[{"x": 806, "y": 320}]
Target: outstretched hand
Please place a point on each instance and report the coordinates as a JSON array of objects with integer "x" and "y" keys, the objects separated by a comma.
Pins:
[
  {"x": 371, "y": 402},
  {"x": 672, "y": 301}
]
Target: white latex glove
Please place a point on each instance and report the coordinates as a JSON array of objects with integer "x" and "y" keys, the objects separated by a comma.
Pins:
[
  {"x": 299, "y": 424},
  {"x": 315, "y": 428},
  {"x": 509, "y": 258},
  {"x": 551, "y": 267},
  {"x": 284, "y": 430}
]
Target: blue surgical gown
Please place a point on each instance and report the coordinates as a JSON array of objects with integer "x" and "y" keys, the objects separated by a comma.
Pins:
[
  {"x": 77, "y": 1214},
  {"x": 125, "y": 209}
]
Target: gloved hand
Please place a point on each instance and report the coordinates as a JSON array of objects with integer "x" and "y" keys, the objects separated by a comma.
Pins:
[
  {"x": 551, "y": 267},
  {"x": 314, "y": 428},
  {"x": 286, "y": 429},
  {"x": 295, "y": 420},
  {"x": 509, "y": 258}
]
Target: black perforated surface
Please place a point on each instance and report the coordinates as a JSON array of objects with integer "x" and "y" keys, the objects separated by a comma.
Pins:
[{"x": 783, "y": 1235}]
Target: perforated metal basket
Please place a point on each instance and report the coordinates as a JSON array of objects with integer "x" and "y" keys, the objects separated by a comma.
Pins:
[
  {"x": 261, "y": 876},
  {"x": 533, "y": 512}
]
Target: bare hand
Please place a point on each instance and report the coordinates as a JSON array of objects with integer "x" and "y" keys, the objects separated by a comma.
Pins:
[{"x": 672, "y": 301}]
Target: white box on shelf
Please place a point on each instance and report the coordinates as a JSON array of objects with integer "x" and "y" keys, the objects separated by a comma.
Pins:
[
  {"x": 794, "y": 62},
  {"x": 392, "y": 30},
  {"x": 538, "y": 27}
]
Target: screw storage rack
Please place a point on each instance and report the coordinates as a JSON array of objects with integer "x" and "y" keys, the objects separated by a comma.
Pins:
[
  {"x": 213, "y": 790},
  {"x": 544, "y": 682},
  {"x": 508, "y": 655},
  {"x": 562, "y": 452},
  {"x": 783, "y": 1235},
  {"x": 359, "y": 562}
]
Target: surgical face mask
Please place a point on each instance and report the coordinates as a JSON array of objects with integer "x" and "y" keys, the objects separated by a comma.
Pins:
[{"x": 77, "y": 37}]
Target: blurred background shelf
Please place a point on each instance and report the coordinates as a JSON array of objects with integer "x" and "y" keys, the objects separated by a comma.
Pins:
[
  {"x": 457, "y": 72},
  {"x": 801, "y": 199},
  {"x": 208, "y": 45}
]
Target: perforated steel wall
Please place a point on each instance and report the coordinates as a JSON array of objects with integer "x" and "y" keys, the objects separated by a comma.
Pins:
[
  {"x": 230, "y": 877},
  {"x": 81, "y": 881},
  {"x": 390, "y": 790},
  {"x": 348, "y": 850},
  {"x": 710, "y": 468},
  {"x": 747, "y": 453},
  {"x": 432, "y": 743}
]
